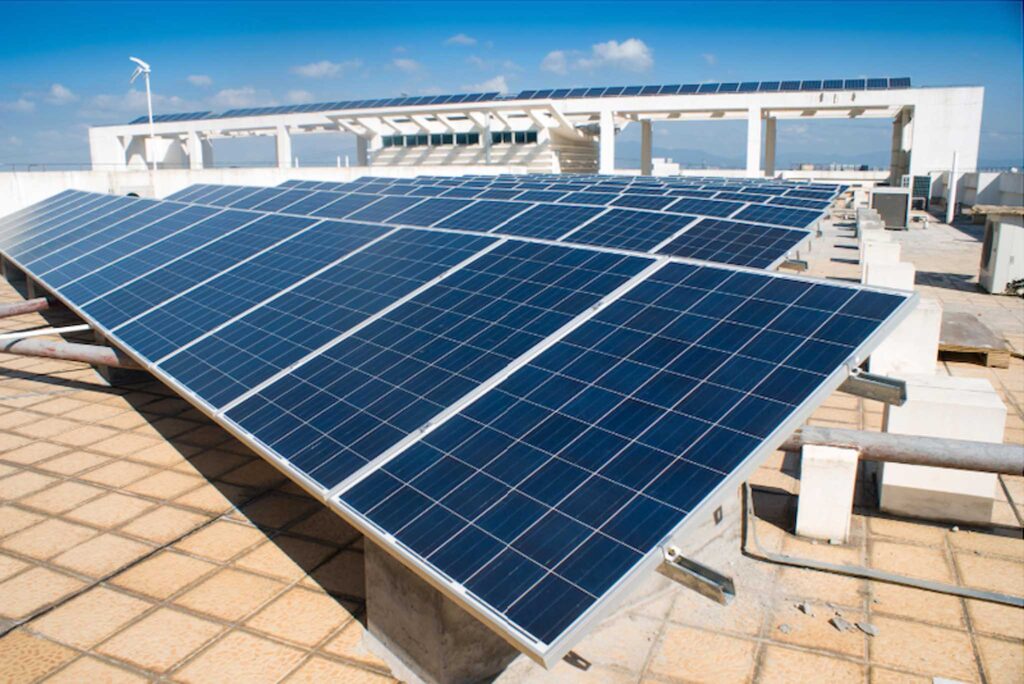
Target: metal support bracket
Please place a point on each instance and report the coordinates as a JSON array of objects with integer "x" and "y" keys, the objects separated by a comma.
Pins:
[
  {"x": 878, "y": 387},
  {"x": 700, "y": 578}
]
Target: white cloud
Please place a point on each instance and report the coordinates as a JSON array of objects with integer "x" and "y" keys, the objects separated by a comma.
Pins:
[
  {"x": 200, "y": 80},
  {"x": 14, "y": 141},
  {"x": 479, "y": 63},
  {"x": 60, "y": 95},
  {"x": 246, "y": 96},
  {"x": 299, "y": 96},
  {"x": 409, "y": 66},
  {"x": 133, "y": 102},
  {"x": 709, "y": 58},
  {"x": 498, "y": 83},
  {"x": 461, "y": 39},
  {"x": 326, "y": 68},
  {"x": 631, "y": 55},
  {"x": 556, "y": 62},
  {"x": 19, "y": 105}
]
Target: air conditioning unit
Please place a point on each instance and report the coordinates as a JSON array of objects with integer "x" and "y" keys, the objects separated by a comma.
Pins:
[
  {"x": 893, "y": 204},
  {"x": 1002, "y": 253},
  {"x": 920, "y": 189}
]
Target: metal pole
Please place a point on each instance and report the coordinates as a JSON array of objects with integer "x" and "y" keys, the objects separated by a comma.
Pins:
[
  {"x": 951, "y": 193},
  {"x": 152, "y": 133},
  {"x": 959, "y": 454},
  {"x": 23, "y": 307},
  {"x": 69, "y": 351}
]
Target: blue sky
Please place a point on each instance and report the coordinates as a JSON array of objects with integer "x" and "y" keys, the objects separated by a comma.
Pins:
[{"x": 64, "y": 66}]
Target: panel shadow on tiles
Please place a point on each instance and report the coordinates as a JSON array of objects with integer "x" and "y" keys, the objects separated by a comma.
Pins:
[
  {"x": 542, "y": 494},
  {"x": 355, "y": 400}
]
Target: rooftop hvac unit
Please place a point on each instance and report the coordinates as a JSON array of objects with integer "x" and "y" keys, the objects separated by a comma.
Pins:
[
  {"x": 1002, "y": 253},
  {"x": 893, "y": 205},
  {"x": 920, "y": 189}
]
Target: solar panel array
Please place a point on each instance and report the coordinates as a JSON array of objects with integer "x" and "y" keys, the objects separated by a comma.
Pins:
[
  {"x": 557, "y": 94},
  {"x": 632, "y": 213},
  {"x": 523, "y": 422}
]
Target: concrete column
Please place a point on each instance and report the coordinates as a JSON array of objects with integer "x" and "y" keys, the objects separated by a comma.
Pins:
[
  {"x": 486, "y": 135},
  {"x": 769, "y": 145},
  {"x": 362, "y": 151},
  {"x": 646, "y": 144},
  {"x": 207, "y": 148},
  {"x": 284, "y": 148},
  {"x": 606, "y": 144},
  {"x": 106, "y": 151},
  {"x": 754, "y": 141},
  {"x": 827, "y": 479},
  {"x": 435, "y": 638},
  {"x": 195, "y": 151}
]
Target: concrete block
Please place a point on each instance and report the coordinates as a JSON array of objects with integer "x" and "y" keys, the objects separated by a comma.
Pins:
[
  {"x": 877, "y": 251},
  {"x": 433, "y": 636},
  {"x": 827, "y": 479},
  {"x": 913, "y": 347},
  {"x": 898, "y": 276},
  {"x": 872, "y": 234},
  {"x": 955, "y": 408}
]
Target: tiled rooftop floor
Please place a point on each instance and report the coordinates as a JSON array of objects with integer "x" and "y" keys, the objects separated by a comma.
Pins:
[{"x": 139, "y": 541}]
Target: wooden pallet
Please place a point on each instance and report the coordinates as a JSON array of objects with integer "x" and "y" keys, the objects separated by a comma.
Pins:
[{"x": 964, "y": 334}]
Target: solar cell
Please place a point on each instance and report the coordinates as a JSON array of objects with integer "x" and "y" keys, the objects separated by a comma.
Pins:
[
  {"x": 379, "y": 384},
  {"x": 627, "y": 229},
  {"x": 239, "y": 356},
  {"x": 549, "y": 221},
  {"x": 428, "y": 212},
  {"x": 731, "y": 242},
  {"x": 704, "y": 207},
  {"x": 538, "y": 499},
  {"x": 484, "y": 215},
  {"x": 385, "y": 208},
  {"x": 779, "y": 216}
]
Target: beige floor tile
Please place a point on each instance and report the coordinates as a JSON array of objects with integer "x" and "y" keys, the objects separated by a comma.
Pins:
[
  {"x": 221, "y": 540},
  {"x": 33, "y": 589},
  {"x": 164, "y": 524},
  {"x": 258, "y": 474},
  {"x": 301, "y": 616},
  {"x": 166, "y": 484},
  {"x": 164, "y": 574},
  {"x": 994, "y": 574},
  {"x": 91, "y": 413},
  {"x": 60, "y": 406},
  {"x": 47, "y": 428},
  {"x": 917, "y": 604},
  {"x": 124, "y": 444},
  {"x": 349, "y": 644},
  {"x": 920, "y": 532},
  {"x": 102, "y": 555},
  {"x": 10, "y": 443},
  {"x": 240, "y": 657},
  {"x": 32, "y": 452},
  {"x": 119, "y": 473},
  {"x": 13, "y": 519},
  {"x": 10, "y": 566},
  {"x": 785, "y": 665},
  {"x": 72, "y": 463},
  {"x": 26, "y": 658},
  {"x": 694, "y": 655},
  {"x": 276, "y": 511},
  {"x": 996, "y": 619},
  {"x": 212, "y": 463},
  {"x": 13, "y": 419},
  {"x": 22, "y": 484},
  {"x": 815, "y": 631},
  {"x": 821, "y": 586},
  {"x": 1003, "y": 660},
  {"x": 230, "y": 594},
  {"x": 61, "y": 497},
  {"x": 214, "y": 499},
  {"x": 164, "y": 454},
  {"x": 343, "y": 575},
  {"x": 110, "y": 510},
  {"x": 923, "y": 649},
  {"x": 327, "y": 526},
  {"x": 744, "y": 615},
  {"x": 881, "y": 675},
  {"x": 48, "y": 538},
  {"x": 914, "y": 561},
  {"x": 284, "y": 557},
  {"x": 94, "y": 671},
  {"x": 318, "y": 670},
  {"x": 160, "y": 640},
  {"x": 84, "y": 436},
  {"x": 124, "y": 421},
  {"x": 90, "y": 618}
]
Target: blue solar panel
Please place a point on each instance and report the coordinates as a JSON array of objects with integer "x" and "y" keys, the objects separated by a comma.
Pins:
[
  {"x": 428, "y": 212},
  {"x": 643, "y": 201},
  {"x": 537, "y": 499},
  {"x": 854, "y": 84},
  {"x": 549, "y": 221},
  {"x": 708, "y": 88},
  {"x": 345, "y": 205},
  {"x": 385, "y": 208},
  {"x": 820, "y": 205},
  {"x": 248, "y": 351},
  {"x": 878, "y": 83},
  {"x": 832, "y": 84},
  {"x": 148, "y": 289},
  {"x": 779, "y": 216},
  {"x": 729, "y": 87},
  {"x": 484, "y": 215},
  {"x": 789, "y": 85},
  {"x": 627, "y": 229},
  {"x": 595, "y": 198},
  {"x": 704, "y": 207},
  {"x": 462, "y": 192},
  {"x": 540, "y": 196},
  {"x": 179, "y": 321},
  {"x": 899, "y": 82},
  {"x": 748, "y": 87},
  {"x": 358, "y": 398},
  {"x": 739, "y": 244}
]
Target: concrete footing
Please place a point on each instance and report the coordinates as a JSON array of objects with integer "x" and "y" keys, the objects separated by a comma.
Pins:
[
  {"x": 828, "y": 476},
  {"x": 913, "y": 347},
  {"x": 434, "y": 637},
  {"x": 942, "y": 406}
]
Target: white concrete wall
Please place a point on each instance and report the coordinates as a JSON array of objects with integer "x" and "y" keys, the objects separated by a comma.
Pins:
[
  {"x": 1004, "y": 188},
  {"x": 21, "y": 188}
]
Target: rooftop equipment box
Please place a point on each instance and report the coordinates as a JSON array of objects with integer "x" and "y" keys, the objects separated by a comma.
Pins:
[{"x": 893, "y": 204}]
